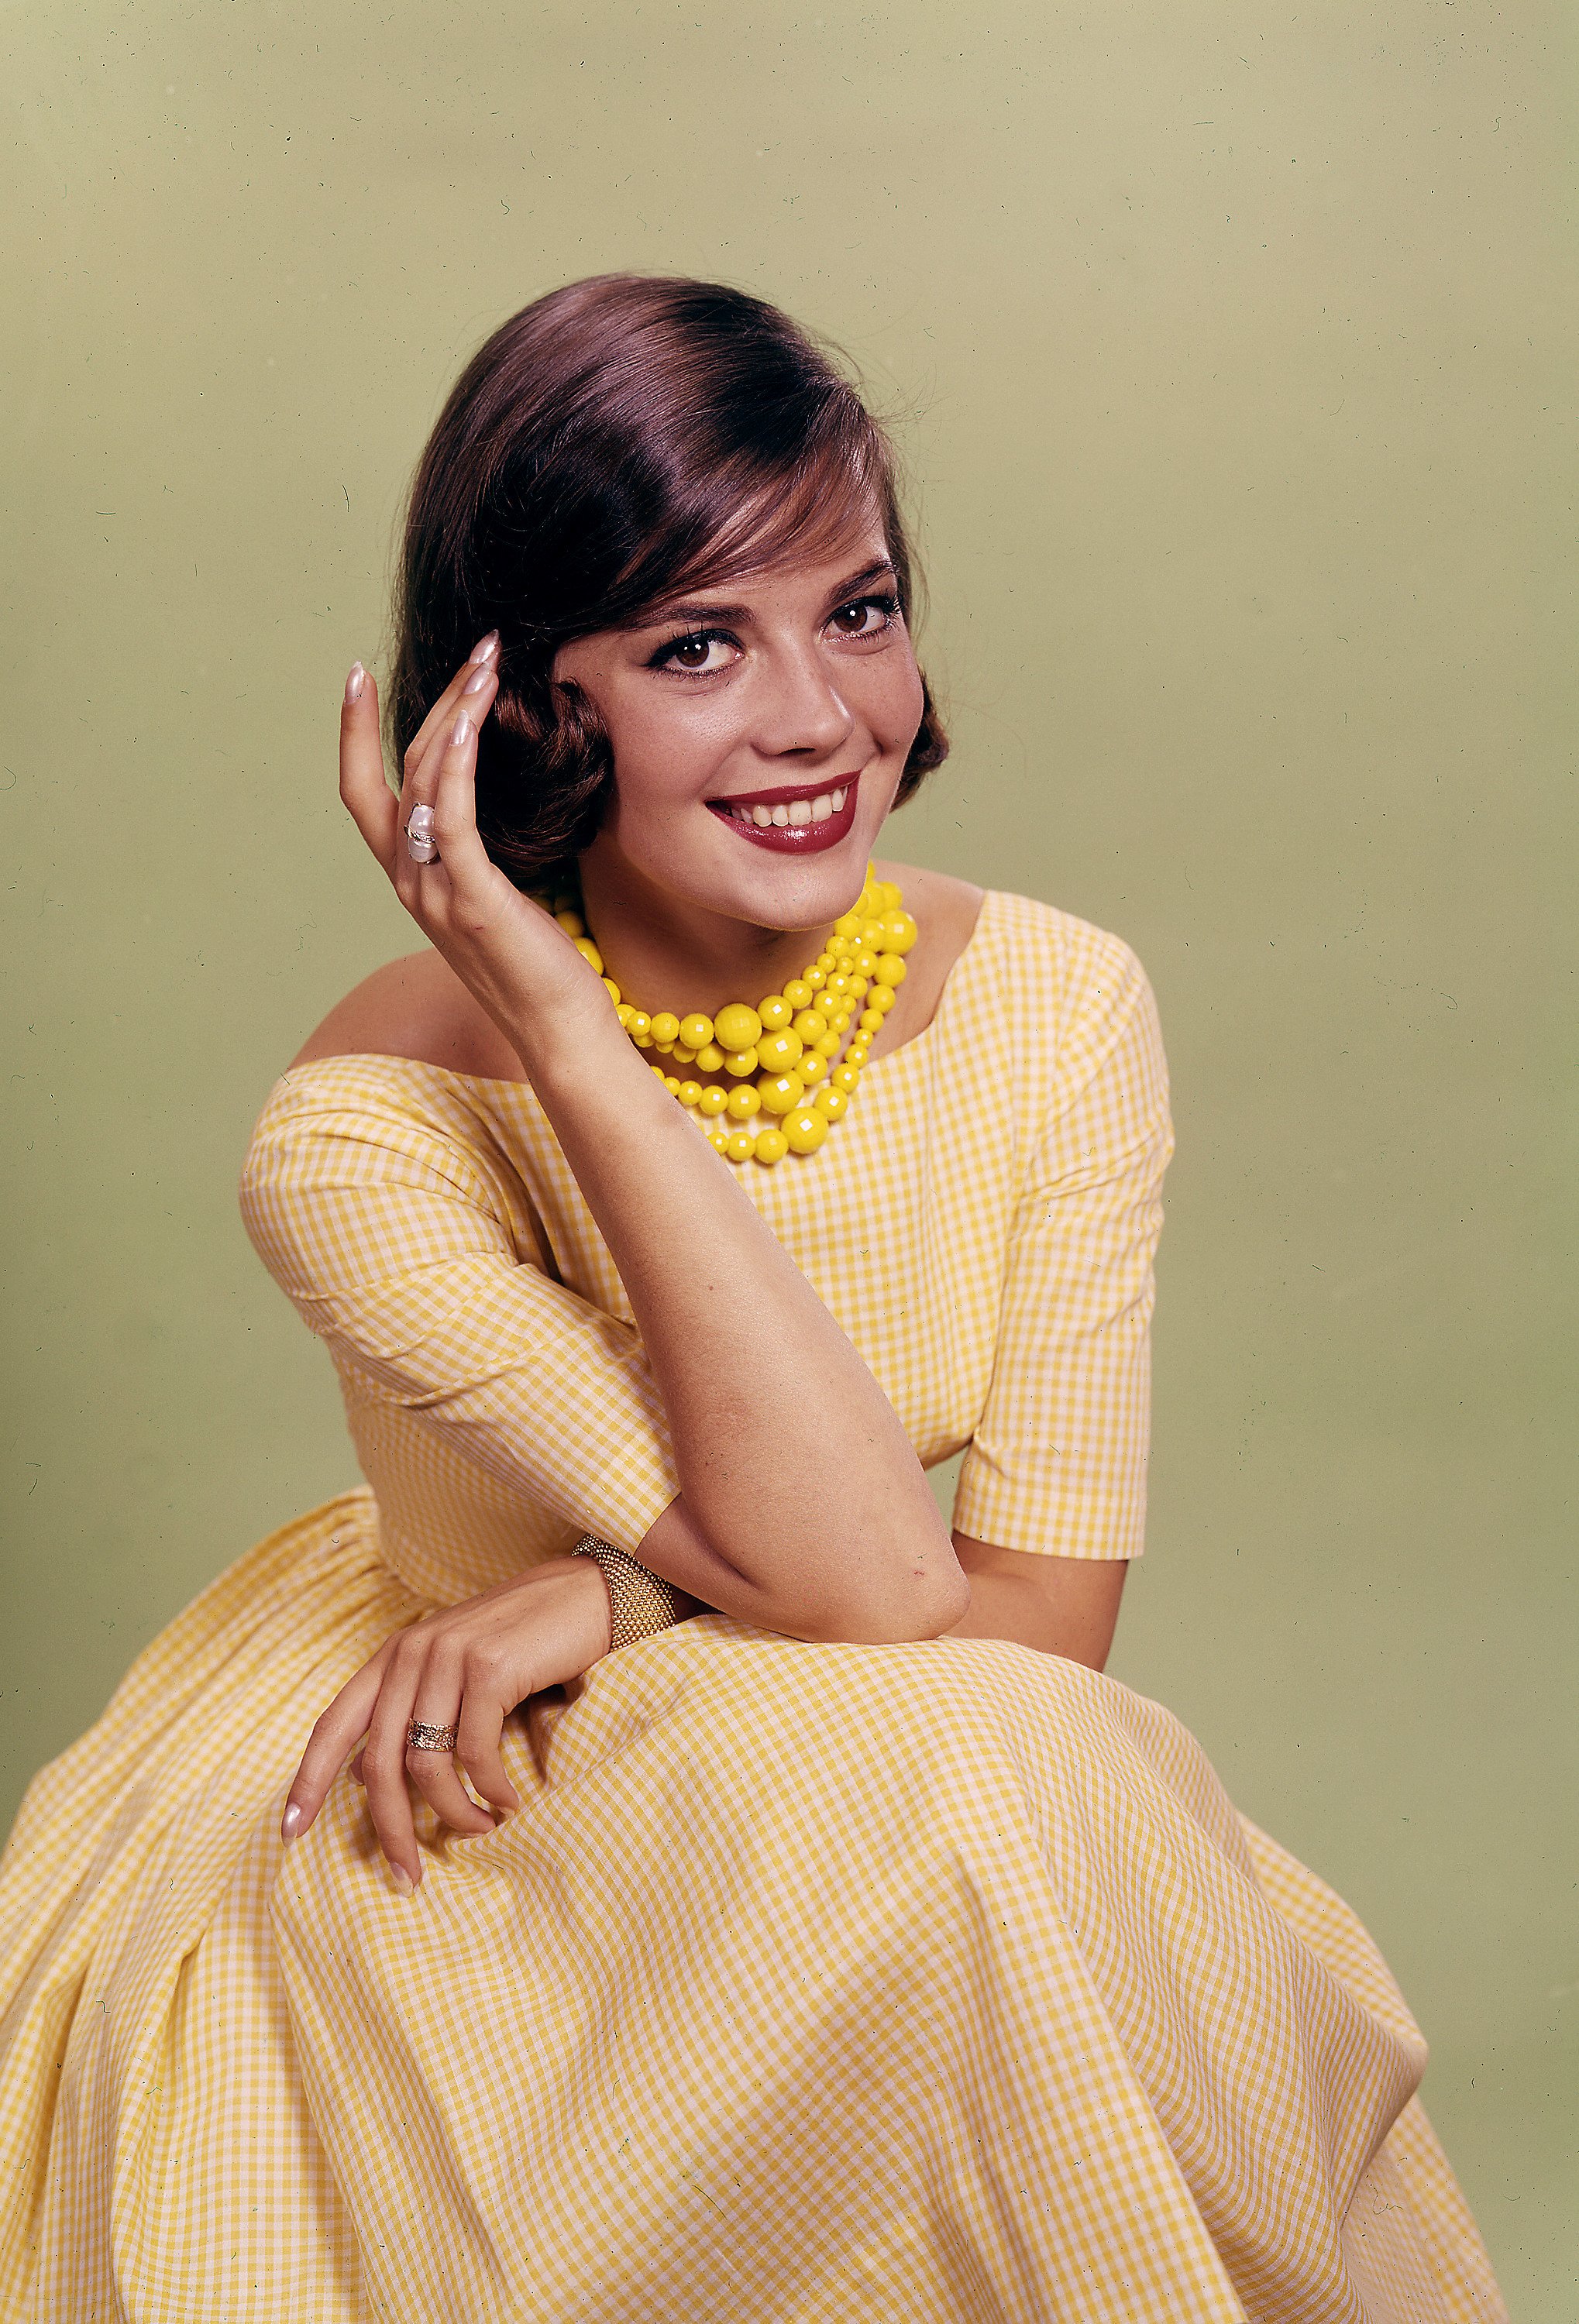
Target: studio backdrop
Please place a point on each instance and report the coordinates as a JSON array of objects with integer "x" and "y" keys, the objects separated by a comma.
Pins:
[{"x": 1224, "y": 344}]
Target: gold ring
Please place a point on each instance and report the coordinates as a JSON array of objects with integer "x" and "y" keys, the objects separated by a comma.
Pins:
[{"x": 422, "y": 1735}]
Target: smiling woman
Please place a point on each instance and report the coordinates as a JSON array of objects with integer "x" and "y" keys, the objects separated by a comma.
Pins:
[{"x": 631, "y": 1859}]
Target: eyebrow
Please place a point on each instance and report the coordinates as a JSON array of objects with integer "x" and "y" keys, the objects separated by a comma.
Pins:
[{"x": 698, "y": 615}]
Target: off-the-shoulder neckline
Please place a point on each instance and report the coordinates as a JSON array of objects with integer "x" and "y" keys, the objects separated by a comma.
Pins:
[{"x": 910, "y": 1049}]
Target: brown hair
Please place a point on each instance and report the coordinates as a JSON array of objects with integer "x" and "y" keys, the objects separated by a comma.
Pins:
[{"x": 624, "y": 438}]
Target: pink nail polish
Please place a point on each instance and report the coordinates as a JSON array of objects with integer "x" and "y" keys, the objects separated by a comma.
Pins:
[
  {"x": 486, "y": 648},
  {"x": 291, "y": 1824},
  {"x": 461, "y": 732},
  {"x": 356, "y": 682},
  {"x": 404, "y": 1884},
  {"x": 478, "y": 678}
]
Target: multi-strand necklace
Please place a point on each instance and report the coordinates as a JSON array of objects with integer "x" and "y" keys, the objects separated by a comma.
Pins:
[{"x": 788, "y": 1069}]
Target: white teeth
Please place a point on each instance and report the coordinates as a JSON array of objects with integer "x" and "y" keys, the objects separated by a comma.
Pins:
[
  {"x": 800, "y": 811},
  {"x": 840, "y": 798},
  {"x": 762, "y": 814},
  {"x": 780, "y": 815},
  {"x": 821, "y": 808}
]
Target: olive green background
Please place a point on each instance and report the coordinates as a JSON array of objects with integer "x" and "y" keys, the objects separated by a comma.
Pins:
[{"x": 1226, "y": 345}]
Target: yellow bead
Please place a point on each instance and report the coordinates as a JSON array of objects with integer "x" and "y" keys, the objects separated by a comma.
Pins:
[
  {"x": 614, "y": 990},
  {"x": 864, "y": 962},
  {"x": 806, "y": 1129},
  {"x": 872, "y": 930},
  {"x": 838, "y": 946},
  {"x": 870, "y": 1020},
  {"x": 736, "y": 1028},
  {"x": 589, "y": 951},
  {"x": 782, "y": 1094},
  {"x": 689, "y": 1092},
  {"x": 718, "y": 1141},
  {"x": 682, "y": 1056},
  {"x": 658, "y": 1070},
  {"x": 881, "y": 998},
  {"x": 671, "y": 1083},
  {"x": 827, "y": 962},
  {"x": 740, "y": 1061},
  {"x": 886, "y": 895},
  {"x": 812, "y": 1066},
  {"x": 710, "y": 1056},
  {"x": 812, "y": 982},
  {"x": 666, "y": 1027},
  {"x": 842, "y": 1077},
  {"x": 831, "y": 1102},
  {"x": 828, "y": 1047},
  {"x": 571, "y": 922},
  {"x": 740, "y": 1145},
  {"x": 745, "y": 1101},
  {"x": 772, "y": 1146},
  {"x": 712, "y": 1100},
  {"x": 848, "y": 926},
  {"x": 775, "y": 1013},
  {"x": 777, "y": 1052},
  {"x": 696, "y": 1030},
  {"x": 797, "y": 992},
  {"x": 857, "y": 988},
  {"x": 664, "y": 1047},
  {"x": 890, "y": 970},
  {"x": 838, "y": 981},
  {"x": 639, "y": 1025},
  {"x": 840, "y": 1023},
  {"x": 899, "y": 932},
  {"x": 624, "y": 1012},
  {"x": 811, "y": 1024}
]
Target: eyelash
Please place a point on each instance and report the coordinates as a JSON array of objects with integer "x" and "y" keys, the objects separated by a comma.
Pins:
[{"x": 886, "y": 604}]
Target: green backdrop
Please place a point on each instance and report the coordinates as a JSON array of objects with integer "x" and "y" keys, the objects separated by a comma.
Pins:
[{"x": 1226, "y": 346}]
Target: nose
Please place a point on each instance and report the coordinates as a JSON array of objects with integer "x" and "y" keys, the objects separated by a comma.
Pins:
[{"x": 800, "y": 712}]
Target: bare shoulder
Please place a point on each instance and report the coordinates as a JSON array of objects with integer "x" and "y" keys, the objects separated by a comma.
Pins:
[{"x": 415, "y": 1007}]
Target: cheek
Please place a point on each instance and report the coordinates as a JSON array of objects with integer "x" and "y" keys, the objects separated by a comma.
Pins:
[
  {"x": 667, "y": 746},
  {"x": 897, "y": 700}
]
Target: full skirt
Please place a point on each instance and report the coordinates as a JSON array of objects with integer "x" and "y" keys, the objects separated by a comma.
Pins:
[{"x": 913, "y": 1983}]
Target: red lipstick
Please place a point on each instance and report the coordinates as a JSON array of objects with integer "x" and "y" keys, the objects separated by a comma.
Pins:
[{"x": 792, "y": 838}]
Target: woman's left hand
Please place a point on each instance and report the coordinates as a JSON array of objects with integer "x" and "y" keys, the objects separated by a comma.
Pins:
[{"x": 464, "y": 1667}]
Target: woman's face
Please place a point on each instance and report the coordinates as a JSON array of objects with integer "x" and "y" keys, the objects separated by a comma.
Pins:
[{"x": 760, "y": 730}]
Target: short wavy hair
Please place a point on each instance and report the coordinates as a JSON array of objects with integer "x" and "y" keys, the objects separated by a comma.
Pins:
[{"x": 623, "y": 439}]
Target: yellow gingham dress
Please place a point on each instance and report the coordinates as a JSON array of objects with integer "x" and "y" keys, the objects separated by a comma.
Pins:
[{"x": 811, "y": 1983}]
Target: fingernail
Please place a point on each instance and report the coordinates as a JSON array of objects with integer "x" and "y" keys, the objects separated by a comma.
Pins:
[
  {"x": 461, "y": 730},
  {"x": 486, "y": 648},
  {"x": 356, "y": 682},
  {"x": 404, "y": 1884},
  {"x": 291, "y": 1824},
  {"x": 478, "y": 678}
]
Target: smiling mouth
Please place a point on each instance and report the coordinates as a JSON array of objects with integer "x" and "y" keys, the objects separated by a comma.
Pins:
[{"x": 799, "y": 817}]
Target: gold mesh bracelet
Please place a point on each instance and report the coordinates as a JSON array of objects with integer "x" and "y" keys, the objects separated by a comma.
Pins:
[{"x": 640, "y": 1602}]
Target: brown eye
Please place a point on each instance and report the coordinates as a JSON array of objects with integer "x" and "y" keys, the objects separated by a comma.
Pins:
[
  {"x": 864, "y": 617},
  {"x": 692, "y": 652}
]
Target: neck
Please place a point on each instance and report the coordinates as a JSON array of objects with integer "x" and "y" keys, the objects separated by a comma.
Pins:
[{"x": 665, "y": 951}]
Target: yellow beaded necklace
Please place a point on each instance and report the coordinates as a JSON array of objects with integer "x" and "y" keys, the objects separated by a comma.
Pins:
[{"x": 791, "y": 1041}]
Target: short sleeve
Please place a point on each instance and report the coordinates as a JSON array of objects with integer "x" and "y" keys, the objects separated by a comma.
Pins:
[
  {"x": 392, "y": 1230},
  {"x": 1057, "y": 1463}
]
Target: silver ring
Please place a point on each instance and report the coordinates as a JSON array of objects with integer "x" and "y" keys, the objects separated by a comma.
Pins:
[
  {"x": 420, "y": 846},
  {"x": 422, "y": 1736}
]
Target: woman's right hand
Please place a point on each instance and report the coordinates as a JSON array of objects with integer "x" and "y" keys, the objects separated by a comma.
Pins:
[{"x": 512, "y": 955}]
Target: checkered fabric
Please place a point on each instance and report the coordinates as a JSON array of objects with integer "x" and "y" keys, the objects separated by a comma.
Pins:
[{"x": 906, "y": 1983}]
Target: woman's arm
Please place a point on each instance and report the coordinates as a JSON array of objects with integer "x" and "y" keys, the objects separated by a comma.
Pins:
[
  {"x": 743, "y": 1349},
  {"x": 1066, "y": 1606}
]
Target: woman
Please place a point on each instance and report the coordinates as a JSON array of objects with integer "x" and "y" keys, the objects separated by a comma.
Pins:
[{"x": 743, "y": 1899}]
